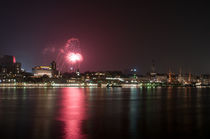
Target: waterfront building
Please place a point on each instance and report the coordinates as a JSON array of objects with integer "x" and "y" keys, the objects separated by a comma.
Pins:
[
  {"x": 161, "y": 78},
  {"x": 40, "y": 71},
  {"x": 205, "y": 79},
  {"x": 17, "y": 68},
  {"x": 7, "y": 60},
  {"x": 50, "y": 71},
  {"x": 9, "y": 67}
]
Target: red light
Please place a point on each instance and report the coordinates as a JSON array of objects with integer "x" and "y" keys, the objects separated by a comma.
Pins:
[
  {"x": 72, "y": 112},
  {"x": 14, "y": 60}
]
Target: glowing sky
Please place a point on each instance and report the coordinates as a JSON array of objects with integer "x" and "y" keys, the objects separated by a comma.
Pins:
[{"x": 113, "y": 35}]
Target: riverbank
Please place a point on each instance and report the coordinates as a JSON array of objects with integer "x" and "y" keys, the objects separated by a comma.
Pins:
[{"x": 95, "y": 85}]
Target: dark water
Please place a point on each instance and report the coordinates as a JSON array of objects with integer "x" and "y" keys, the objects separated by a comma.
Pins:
[{"x": 104, "y": 113}]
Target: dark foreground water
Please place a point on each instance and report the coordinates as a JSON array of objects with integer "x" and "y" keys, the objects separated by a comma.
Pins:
[{"x": 74, "y": 113}]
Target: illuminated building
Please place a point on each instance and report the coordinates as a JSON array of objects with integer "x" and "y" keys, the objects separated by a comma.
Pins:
[
  {"x": 40, "y": 71},
  {"x": 189, "y": 78},
  {"x": 180, "y": 78},
  {"x": 6, "y": 60},
  {"x": 205, "y": 79},
  {"x": 77, "y": 72},
  {"x": 169, "y": 77},
  {"x": 8, "y": 65},
  {"x": 50, "y": 71},
  {"x": 161, "y": 78},
  {"x": 17, "y": 68}
]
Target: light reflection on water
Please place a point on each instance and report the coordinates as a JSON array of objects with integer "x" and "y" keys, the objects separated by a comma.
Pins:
[
  {"x": 72, "y": 112},
  {"x": 104, "y": 113}
]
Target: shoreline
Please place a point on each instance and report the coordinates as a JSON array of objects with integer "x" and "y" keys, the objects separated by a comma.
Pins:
[{"x": 88, "y": 85}]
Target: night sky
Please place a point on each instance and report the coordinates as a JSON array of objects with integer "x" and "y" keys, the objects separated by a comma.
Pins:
[{"x": 114, "y": 35}]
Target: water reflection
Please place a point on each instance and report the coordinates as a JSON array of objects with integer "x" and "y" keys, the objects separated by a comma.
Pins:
[
  {"x": 72, "y": 112},
  {"x": 27, "y": 113},
  {"x": 104, "y": 113}
]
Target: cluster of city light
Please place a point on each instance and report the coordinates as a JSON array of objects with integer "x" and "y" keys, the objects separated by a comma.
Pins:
[
  {"x": 48, "y": 85},
  {"x": 74, "y": 57}
]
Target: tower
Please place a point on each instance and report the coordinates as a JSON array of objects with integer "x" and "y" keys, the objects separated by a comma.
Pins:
[
  {"x": 169, "y": 76},
  {"x": 153, "y": 73},
  {"x": 54, "y": 69},
  {"x": 180, "y": 76},
  {"x": 189, "y": 77},
  {"x": 53, "y": 65}
]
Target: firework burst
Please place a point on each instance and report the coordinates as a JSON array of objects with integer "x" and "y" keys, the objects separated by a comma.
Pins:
[{"x": 70, "y": 57}]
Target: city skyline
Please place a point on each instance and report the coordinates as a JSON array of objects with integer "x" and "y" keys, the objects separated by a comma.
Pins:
[{"x": 72, "y": 69}]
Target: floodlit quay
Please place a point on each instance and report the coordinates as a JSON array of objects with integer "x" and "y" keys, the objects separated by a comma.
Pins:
[
  {"x": 89, "y": 85},
  {"x": 71, "y": 85},
  {"x": 47, "y": 85},
  {"x": 64, "y": 85}
]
